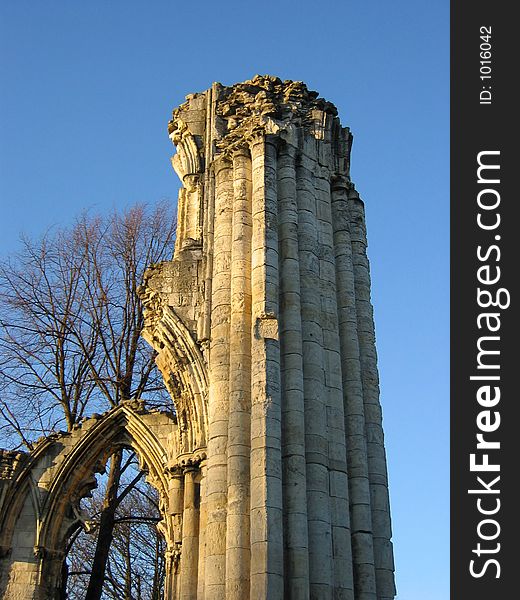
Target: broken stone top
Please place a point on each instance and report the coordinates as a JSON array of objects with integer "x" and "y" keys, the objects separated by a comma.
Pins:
[{"x": 262, "y": 105}]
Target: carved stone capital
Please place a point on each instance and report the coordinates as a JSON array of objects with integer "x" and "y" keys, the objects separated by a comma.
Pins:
[
  {"x": 174, "y": 471},
  {"x": 192, "y": 460}
]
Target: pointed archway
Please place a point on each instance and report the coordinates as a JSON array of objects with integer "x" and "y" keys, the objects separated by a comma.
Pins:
[{"x": 42, "y": 506}]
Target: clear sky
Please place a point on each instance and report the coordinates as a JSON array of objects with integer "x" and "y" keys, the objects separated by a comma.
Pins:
[{"x": 87, "y": 89}]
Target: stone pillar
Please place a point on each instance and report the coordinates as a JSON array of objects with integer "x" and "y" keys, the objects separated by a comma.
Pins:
[
  {"x": 173, "y": 552},
  {"x": 218, "y": 400},
  {"x": 294, "y": 477},
  {"x": 266, "y": 463},
  {"x": 316, "y": 434},
  {"x": 361, "y": 518},
  {"x": 343, "y": 585},
  {"x": 202, "y": 532},
  {"x": 377, "y": 471},
  {"x": 190, "y": 535},
  {"x": 50, "y": 574},
  {"x": 275, "y": 299},
  {"x": 238, "y": 551}
]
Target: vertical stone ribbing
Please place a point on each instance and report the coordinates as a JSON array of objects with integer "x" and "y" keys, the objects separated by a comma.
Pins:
[
  {"x": 204, "y": 332},
  {"x": 316, "y": 435},
  {"x": 343, "y": 585},
  {"x": 181, "y": 214},
  {"x": 266, "y": 483},
  {"x": 377, "y": 471},
  {"x": 175, "y": 508},
  {"x": 218, "y": 401},
  {"x": 190, "y": 536},
  {"x": 264, "y": 331},
  {"x": 359, "y": 490},
  {"x": 239, "y": 429},
  {"x": 202, "y": 533},
  {"x": 274, "y": 288},
  {"x": 293, "y": 408}
]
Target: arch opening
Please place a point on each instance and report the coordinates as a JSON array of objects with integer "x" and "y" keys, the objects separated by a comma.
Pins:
[
  {"x": 136, "y": 557},
  {"x": 54, "y": 496}
]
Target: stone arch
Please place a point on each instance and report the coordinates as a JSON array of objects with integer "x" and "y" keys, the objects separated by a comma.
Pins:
[
  {"x": 23, "y": 490},
  {"x": 42, "y": 499},
  {"x": 121, "y": 427},
  {"x": 182, "y": 364}
]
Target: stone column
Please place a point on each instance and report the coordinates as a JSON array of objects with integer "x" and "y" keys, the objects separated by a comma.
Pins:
[
  {"x": 359, "y": 490},
  {"x": 218, "y": 400},
  {"x": 50, "y": 575},
  {"x": 173, "y": 555},
  {"x": 239, "y": 428},
  {"x": 316, "y": 432},
  {"x": 343, "y": 584},
  {"x": 202, "y": 532},
  {"x": 190, "y": 535},
  {"x": 377, "y": 471},
  {"x": 266, "y": 476},
  {"x": 293, "y": 408},
  {"x": 275, "y": 299},
  {"x": 176, "y": 491}
]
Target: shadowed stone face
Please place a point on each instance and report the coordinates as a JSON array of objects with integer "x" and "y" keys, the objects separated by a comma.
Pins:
[{"x": 274, "y": 477}]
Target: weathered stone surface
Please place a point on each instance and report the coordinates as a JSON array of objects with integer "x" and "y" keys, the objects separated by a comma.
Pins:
[
  {"x": 41, "y": 492},
  {"x": 273, "y": 478},
  {"x": 284, "y": 322}
]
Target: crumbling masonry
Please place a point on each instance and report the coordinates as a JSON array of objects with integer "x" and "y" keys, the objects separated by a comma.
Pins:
[{"x": 272, "y": 475}]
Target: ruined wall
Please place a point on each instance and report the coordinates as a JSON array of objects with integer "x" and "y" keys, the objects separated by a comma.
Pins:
[
  {"x": 265, "y": 334},
  {"x": 40, "y": 494},
  {"x": 272, "y": 473}
]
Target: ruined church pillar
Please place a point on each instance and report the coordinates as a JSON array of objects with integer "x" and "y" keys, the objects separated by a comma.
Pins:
[
  {"x": 190, "y": 534},
  {"x": 265, "y": 336},
  {"x": 238, "y": 450}
]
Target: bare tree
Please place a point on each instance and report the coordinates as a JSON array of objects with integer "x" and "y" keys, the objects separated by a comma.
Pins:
[
  {"x": 136, "y": 563},
  {"x": 70, "y": 325},
  {"x": 70, "y": 321}
]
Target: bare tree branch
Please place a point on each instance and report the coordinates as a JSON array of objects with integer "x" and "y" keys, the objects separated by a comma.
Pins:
[
  {"x": 71, "y": 319},
  {"x": 70, "y": 343}
]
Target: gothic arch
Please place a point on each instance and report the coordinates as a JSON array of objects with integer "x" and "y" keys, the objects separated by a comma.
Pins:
[
  {"x": 43, "y": 494},
  {"x": 23, "y": 490},
  {"x": 122, "y": 427},
  {"x": 184, "y": 371}
]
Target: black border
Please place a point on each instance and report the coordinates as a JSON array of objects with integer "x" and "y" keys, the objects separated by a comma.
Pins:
[{"x": 475, "y": 128}]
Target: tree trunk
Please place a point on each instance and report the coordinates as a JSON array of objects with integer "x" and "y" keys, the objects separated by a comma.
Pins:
[
  {"x": 156, "y": 575},
  {"x": 64, "y": 579},
  {"x": 106, "y": 530},
  {"x": 128, "y": 569}
]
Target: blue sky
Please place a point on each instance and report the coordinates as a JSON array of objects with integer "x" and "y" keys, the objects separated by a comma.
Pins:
[{"x": 87, "y": 90}]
